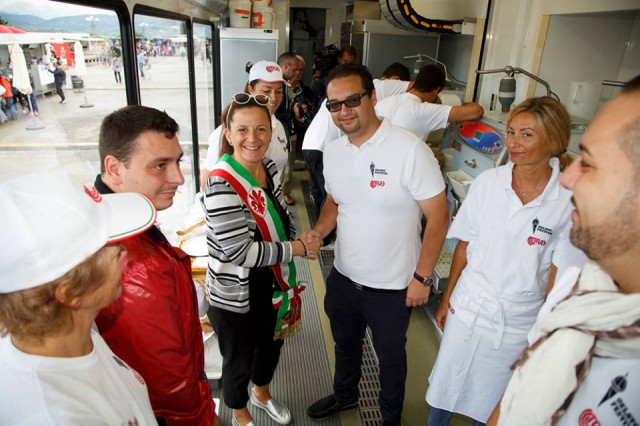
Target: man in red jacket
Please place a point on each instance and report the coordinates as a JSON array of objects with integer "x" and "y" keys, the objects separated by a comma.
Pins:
[{"x": 154, "y": 326}]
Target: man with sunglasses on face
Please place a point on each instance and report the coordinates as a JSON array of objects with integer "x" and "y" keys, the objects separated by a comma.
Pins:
[{"x": 380, "y": 179}]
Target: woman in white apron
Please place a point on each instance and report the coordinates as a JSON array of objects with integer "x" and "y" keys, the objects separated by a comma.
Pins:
[
  {"x": 265, "y": 78},
  {"x": 508, "y": 228}
]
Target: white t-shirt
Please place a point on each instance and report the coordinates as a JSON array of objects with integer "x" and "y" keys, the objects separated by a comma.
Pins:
[
  {"x": 278, "y": 150},
  {"x": 510, "y": 245},
  {"x": 409, "y": 112},
  {"x": 386, "y": 88},
  {"x": 376, "y": 187},
  {"x": 95, "y": 389},
  {"x": 609, "y": 395},
  {"x": 322, "y": 128},
  {"x": 569, "y": 260}
]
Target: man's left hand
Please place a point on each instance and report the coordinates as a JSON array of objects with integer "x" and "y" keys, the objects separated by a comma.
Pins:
[{"x": 417, "y": 294}]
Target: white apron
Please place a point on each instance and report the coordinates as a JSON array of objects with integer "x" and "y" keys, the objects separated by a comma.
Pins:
[{"x": 484, "y": 335}]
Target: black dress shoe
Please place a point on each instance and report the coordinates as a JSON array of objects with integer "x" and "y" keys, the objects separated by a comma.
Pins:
[{"x": 329, "y": 406}]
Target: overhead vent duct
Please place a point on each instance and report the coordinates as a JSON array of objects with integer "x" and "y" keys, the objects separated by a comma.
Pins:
[
  {"x": 215, "y": 7},
  {"x": 402, "y": 14}
]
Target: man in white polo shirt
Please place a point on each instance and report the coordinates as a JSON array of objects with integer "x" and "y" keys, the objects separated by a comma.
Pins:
[
  {"x": 415, "y": 110},
  {"x": 380, "y": 179},
  {"x": 323, "y": 130}
]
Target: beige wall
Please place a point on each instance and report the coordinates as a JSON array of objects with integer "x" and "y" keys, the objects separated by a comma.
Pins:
[{"x": 514, "y": 30}]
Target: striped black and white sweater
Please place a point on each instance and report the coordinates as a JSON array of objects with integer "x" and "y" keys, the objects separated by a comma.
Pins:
[{"x": 230, "y": 240}]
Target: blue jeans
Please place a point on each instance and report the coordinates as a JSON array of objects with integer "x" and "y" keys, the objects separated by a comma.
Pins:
[
  {"x": 440, "y": 417},
  {"x": 13, "y": 114},
  {"x": 34, "y": 104}
]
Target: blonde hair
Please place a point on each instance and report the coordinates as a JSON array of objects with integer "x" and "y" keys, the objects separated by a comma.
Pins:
[
  {"x": 554, "y": 123},
  {"x": 38, "y": 312}
]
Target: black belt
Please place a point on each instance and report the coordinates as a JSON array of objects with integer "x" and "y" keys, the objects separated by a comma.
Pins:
[{"x": 374, "y": 290}]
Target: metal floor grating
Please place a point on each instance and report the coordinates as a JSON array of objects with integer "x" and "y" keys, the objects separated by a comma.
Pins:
[{"x": 368, "y": 406}]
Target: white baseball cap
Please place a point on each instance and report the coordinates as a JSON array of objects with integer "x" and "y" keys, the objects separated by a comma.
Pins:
[
  {"x": 50, "y": 224},
  {"x": 267, "y": 71}
]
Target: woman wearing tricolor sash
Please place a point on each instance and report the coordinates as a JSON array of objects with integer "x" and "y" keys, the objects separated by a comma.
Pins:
[{"x": 251, "y": 277}]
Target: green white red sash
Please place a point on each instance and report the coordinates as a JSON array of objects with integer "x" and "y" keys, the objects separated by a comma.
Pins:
[{"x": 287, "y": 300}]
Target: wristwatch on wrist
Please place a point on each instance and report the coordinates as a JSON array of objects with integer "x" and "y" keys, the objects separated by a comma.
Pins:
[{"x": 425, "y": 281}]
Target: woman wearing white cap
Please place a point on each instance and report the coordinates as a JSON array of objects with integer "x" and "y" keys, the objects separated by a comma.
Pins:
[
  {"x": 265, "y": 78},
  {"x": 60, "y": 268}
]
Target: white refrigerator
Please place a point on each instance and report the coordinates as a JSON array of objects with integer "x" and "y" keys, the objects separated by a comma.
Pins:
[{"x": 237, "y": 47}]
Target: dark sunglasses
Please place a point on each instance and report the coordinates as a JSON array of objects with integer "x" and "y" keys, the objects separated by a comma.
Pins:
[
  {"x": 244, "y": 98},
  {"x": 351, "y": 102}
]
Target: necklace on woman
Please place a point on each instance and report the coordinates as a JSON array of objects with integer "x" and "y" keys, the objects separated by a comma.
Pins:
[{"x": 536, "y": 189}]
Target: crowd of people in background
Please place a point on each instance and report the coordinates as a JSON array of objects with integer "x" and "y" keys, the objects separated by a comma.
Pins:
[{"x": 13, "y": 101}]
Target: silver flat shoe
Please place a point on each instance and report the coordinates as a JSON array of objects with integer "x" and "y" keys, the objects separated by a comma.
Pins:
[
  {"x": 274, "y": 408},
  {"x": 234, "y": 422}
]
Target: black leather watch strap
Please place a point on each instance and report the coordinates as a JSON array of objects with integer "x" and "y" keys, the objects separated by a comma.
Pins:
[{"x": 426, "y": 281}]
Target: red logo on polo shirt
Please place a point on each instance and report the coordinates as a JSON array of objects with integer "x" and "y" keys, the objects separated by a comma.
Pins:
[
  {"x": 138, "y": 376},
  {"x": 376, "y": 183},
  {"x": 588, "y": 418},
  {"x": 257, "y": 201},
  {"x": 533, "y": 240},
  {"x": 93, "y": 193}
]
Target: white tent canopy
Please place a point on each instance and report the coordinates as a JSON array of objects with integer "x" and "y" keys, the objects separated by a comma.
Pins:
[
  {"x": 81, "y": 68},
  {"x": 20, "y": 71}
]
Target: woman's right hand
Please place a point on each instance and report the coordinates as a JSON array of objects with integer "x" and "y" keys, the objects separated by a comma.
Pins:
[
  {"x": 313, "y": 243},
  {"x": 441, "y": 313}
]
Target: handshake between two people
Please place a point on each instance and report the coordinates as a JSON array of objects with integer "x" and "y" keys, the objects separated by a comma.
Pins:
[{"x": 312, "y": 243}]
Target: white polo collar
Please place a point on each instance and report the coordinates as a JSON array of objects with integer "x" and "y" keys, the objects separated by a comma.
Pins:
[
  {"x": 377, "y": 138},
  {"x": 551, "y": 191}
]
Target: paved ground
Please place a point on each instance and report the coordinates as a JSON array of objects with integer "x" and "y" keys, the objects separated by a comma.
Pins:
[{"x": 68, "y": 133}]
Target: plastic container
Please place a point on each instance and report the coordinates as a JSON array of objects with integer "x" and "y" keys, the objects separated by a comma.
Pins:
[
  {"x": 461, "y": 182},
  {"x": 583, "y": 99},
  {"x": 240, "y": 13},
  {"x": 263, "y": 17},
  {"x": 448, "y": 158}
]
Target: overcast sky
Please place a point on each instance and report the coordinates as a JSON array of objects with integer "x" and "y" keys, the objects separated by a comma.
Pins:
[{"x": 44, "y": 8}]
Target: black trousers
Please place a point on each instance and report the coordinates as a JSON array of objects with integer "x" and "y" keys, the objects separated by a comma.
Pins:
[
  {"x": 315, "y": 166},
  {"x": 350, "y": 311},
  {"x": 60, "y": 92},
  {"x": 247, "y": 346}
]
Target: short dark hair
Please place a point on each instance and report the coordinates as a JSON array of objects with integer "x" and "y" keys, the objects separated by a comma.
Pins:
[
  {"x": 629, "y": 140},
  {"x": 287, "y": 58},
  {"x": 349, "y": 50},
  {"x": 429, "y": 78},
  {"x": 120, "y": 129},
  {"x": 348, "y": 70},
  {"x": 399, "y": 70},
  {"x": 632, "y": 85}
]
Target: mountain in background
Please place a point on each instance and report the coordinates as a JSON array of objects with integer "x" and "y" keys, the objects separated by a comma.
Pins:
[
  {"x": 106, "y": 27},
  {"x": 24, "y": 22}
]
